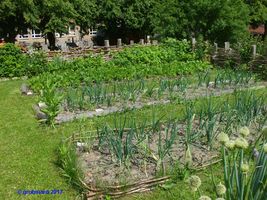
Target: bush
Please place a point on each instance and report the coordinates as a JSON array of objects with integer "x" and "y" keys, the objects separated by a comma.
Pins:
[
  {"x": 245, "y": 48},
  {"x": 12, "y": 61},
  {"x": 36, "y": 63}
]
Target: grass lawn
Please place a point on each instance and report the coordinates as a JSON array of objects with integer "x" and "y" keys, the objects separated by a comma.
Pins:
[{"x": 28, "y": 150}]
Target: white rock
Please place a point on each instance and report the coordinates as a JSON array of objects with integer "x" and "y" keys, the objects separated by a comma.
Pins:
[
  {"x": 81, "y": 144},
  {"x": 29, "y": 93},
  {"x": 99, "y": 110},
  {"x": 42, "y": 105}
]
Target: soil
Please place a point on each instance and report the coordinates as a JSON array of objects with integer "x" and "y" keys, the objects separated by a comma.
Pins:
[{"x": 101, "y": 168}]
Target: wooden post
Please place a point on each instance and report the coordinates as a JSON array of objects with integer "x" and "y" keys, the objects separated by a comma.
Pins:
[
  {"x": 142, "y": 41},
  {"x": 254, "y": 51},
  {"x": 106, "y": 47},
  {"x": 227, "y": 46},
  {"x": 131, "y": 42},
  {"x": 119, "y": 42},
  {"x": 148, "y": 39},
  {"x": 216, "y": 47},
  {"x": 107, "y": 44},
  {"x": 194, "y": 43}
]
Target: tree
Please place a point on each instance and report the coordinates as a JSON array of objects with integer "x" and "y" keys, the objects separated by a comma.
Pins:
[
  {"x": 86, "y": 14},
  {"x": 128, "y": 19},
  {"x": 15, "y": 17},
  {"x": 231, "y": 23},
  {"x": 54, "y": 16},
  {"x": 214, "y": 20},
  {"x": 50, "y": 16}
]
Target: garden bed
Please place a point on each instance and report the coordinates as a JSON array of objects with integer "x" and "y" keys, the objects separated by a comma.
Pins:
[
  {"x": 134, "y": 155},
  {"x": 105, "y": 176},
  {"x": 177, "y": 96}
]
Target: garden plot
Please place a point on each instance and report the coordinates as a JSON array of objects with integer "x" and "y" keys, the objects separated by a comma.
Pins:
[
  {"x": 130, "y": 153},
  {"x": 102, "y": 99}
]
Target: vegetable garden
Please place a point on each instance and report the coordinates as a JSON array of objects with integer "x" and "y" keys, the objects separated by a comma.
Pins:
[{"x": 170, "y": 114}]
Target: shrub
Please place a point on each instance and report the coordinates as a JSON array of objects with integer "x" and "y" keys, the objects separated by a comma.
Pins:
[
  {"x": 12, "y": 61},
  {"x": 36, "y": 63},
  {"x": 245, "y": 48}
]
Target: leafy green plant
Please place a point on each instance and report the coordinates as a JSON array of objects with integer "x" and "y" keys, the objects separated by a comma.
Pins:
[
  {"x": 169, "y": 59},
  {"x": 36, "y": 63},
  {"x": 120, "y": 141},
  {"x": 52, "y": 100},
  {"x": 210, "y": 122},
  {"x": 248, "y": 106},
  {"x": 12, "y": 61},
  {"x": 68, "y": 163},
  {"x": 165, "y": 144}
]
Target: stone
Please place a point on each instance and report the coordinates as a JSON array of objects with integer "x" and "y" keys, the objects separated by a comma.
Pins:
[
  {"x": 24, "y": 89},
  {"x": 99, "y": 110},
  {"x": 42, "y": 105},
  {"x": 29, "y": 93},
  {"x": 39, "y": 114}
]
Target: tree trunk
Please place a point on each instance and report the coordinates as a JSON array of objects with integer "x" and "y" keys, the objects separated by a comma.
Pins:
[
  {"x": 10, "y": 37},
  {"x": 52, "y": 41}
]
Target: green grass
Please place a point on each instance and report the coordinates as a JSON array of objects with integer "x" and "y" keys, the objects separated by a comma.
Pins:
[{"x": 28, "y": 150}]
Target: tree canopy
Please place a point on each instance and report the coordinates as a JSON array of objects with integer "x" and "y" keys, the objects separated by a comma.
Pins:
[
  {"x": 214, "y": 20},
  {"x": 219, "y": 20},
  {"x": 15, "y": 17}
]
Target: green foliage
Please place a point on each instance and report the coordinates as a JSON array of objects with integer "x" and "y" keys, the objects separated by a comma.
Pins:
[
  {"x": 15, "y": 17},
  {"x": 125, "y": 18},
  {"x": 86, "y": 14},
  {"x": 12, "y": 62},
  {"x": 258, "y": 12},
  {"x": 68, "y": 163},
  {"x": 120, "y": 141},
  {"x": 166, "y": 141},
  {"x": 202, "y": 49},
  {"x": 245, "y": 48},
  {"x": 169, "y": 59},
  {"x": 214, "y": 20},
  {"x": 36, "y": 63},
  {"x": 52, "y": 100},
  {"x": 49, "y": 16},
  {"x": 15, "y": 64}
]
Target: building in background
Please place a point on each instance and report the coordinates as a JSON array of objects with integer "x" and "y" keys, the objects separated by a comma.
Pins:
[
  {"x": 73, "y": 35},
  {"x": 257, "y": 30}
]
